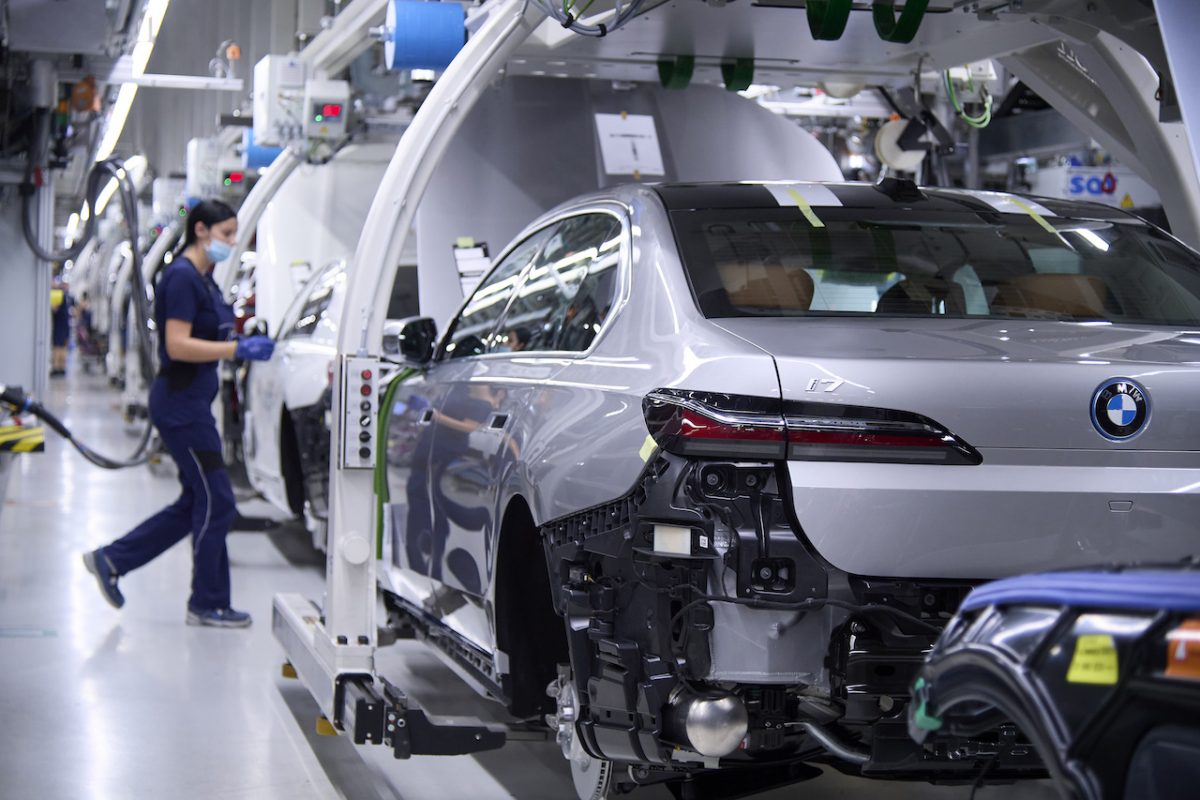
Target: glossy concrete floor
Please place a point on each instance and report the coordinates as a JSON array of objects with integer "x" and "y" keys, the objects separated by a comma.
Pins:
[{"x": 98, "y": 703}]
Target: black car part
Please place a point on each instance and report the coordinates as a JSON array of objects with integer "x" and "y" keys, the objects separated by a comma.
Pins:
[
  {"x": 1099, "y": 670},
  {"x": 643, "y": 620}
]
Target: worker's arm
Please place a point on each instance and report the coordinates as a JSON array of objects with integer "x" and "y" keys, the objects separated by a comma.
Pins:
[{"x": 182, "y": 346}]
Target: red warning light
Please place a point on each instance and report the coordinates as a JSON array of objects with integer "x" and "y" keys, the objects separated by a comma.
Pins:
[
  {"x": 331, "y": 110},
  {"x": 237, "y": 177}
]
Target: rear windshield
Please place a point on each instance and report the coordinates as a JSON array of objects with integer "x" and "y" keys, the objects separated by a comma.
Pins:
[{"x": 908, "y": 263}]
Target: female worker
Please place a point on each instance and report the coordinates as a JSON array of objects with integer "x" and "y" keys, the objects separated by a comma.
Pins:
[{"x": 196, "y": 326}]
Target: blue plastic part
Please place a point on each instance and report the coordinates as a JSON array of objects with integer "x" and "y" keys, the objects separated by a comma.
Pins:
[
  {"x": 427, "y": 35},
  {"x": 1135, "y": 590},
  {"x": 257, "y": 156}
]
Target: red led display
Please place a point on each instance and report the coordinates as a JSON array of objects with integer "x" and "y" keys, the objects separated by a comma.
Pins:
[{"x": 331, "y": 110}]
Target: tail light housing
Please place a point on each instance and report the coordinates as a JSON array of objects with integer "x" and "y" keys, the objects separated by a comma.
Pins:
[{"x": 707, "y": 424}]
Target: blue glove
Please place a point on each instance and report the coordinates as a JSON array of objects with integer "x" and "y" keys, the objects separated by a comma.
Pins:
[{"x": 255, "y": 348}]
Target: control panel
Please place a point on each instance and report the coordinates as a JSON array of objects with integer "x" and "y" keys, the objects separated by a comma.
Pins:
[
  {"x": 326, "y": 104},
  {"x": 360, "y": 411}
]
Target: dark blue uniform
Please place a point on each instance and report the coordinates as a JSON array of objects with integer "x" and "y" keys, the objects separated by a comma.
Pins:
[{"x": 181, "y": 407}]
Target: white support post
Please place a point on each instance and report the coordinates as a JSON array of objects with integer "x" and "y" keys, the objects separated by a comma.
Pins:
[
  {"x": 1107, "y": 89},
  {"x": 334, "y": 645},
  {"x": 1178, "y": 22}
]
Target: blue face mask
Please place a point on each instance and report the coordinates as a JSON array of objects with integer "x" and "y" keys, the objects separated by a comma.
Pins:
[{"x": 217, "y": 251}]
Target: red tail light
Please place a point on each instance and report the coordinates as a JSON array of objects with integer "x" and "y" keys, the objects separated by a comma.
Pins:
[
  {"x": 706, "y": 424},
  {"x": 715, "y": 425}
]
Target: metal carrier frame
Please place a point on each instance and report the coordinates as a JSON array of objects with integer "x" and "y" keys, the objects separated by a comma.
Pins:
[{"x": 1099, "y": 62}]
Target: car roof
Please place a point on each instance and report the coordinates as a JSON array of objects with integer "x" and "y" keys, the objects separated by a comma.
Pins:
[{"x": 887, "y": 194}]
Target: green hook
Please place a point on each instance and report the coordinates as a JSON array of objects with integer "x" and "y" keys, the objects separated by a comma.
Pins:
[
  {"x": 902, "y": 29},
  {"x": 676, "y": 73},
  {"x": 738, "y": 74},
  {"x": 827, "y": 18}
]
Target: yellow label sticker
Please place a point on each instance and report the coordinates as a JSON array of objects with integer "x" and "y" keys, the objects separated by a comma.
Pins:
[
  {"x": 648, "y": 448},
  {"x": 463, "y": 242},
  {"x": 1095, "y": 660},
  {"x": 1127, "y": 201},
  {"x": 806, "y": 209}
]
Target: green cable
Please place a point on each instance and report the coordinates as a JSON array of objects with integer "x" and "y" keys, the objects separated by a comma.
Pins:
[
  {"x": 984, "y": 118},
  {"x": 381, "y": 443}
]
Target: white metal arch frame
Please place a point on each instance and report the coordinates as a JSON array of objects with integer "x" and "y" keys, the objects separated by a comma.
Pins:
[
  {"x": 329, "y": 53},
  {"x": 343, "y": 642}
]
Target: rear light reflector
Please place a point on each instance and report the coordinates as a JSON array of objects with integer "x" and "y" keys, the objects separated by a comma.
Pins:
[
  {"x": 715, "y": 425},
  {"x": 831, "y": 432},
  {"x": 708, "y": 424}
]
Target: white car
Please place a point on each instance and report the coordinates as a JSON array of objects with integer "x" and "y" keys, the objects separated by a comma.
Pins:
[
  {"x": 285, "y": 438},
  {"x": 286, "y": 400}
]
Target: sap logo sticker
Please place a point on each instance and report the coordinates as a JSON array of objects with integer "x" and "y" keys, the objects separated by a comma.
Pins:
[{"x": 1093, "y": 185}]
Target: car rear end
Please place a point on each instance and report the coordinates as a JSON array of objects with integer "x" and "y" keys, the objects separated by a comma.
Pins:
[{"x": 970, "y": 386}]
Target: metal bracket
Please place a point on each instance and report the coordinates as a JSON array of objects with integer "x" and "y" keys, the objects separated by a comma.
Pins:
[{"x": 391, "y": 719}]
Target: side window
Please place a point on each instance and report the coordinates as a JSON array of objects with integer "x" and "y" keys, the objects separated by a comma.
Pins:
[
  {"x": 569, "y": 291},
  {"x": 468, "y": 333},
  {"x": 320, "y": 294}
]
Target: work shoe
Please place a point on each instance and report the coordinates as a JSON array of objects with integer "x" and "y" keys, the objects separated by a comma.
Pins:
[
  {"x": 106, "y": 575},
  {"x": 218, "y": 617}
]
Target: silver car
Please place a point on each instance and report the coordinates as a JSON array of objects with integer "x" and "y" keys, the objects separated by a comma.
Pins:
[{"x": 698, "y": 472}]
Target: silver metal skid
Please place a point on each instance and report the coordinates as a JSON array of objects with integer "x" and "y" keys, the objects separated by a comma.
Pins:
[{"x": 363, "y": 706}]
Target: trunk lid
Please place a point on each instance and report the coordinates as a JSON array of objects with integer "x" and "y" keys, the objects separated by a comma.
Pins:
[{"x": 993, "y": 383}]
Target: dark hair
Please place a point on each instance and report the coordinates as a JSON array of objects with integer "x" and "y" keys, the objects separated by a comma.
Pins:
[{"x": 210, "y": 212}]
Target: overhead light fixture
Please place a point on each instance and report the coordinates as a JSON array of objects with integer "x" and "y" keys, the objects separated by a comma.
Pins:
[{"x": 152, "y": 19}]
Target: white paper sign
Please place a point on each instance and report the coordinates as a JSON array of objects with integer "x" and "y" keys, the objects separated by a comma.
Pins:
[{"x": 629, "y": 144}]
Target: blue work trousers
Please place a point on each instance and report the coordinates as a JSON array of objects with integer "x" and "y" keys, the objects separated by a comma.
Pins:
[{"x": 206, "y": 508}]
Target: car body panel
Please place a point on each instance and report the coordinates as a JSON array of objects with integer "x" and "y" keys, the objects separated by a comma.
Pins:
[{"x": 294, "y": 379}]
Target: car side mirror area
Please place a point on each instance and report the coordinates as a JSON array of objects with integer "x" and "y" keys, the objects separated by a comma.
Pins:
[{"x": 410, "y": 340}]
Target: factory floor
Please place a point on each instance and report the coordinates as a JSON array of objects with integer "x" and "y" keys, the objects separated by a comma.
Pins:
[{"x": 99, "y": 703}]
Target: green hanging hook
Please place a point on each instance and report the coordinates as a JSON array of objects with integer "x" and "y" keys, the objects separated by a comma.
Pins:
[
  {"x": 676, "y": 73},
  {"x": 738, "y": 74},
  {"x": 827, "y": 18},
  {"x": 902, "y": 29}
]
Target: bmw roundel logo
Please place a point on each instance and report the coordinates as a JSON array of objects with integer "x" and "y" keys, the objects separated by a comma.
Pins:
[{"x": 1120, "y": 409}]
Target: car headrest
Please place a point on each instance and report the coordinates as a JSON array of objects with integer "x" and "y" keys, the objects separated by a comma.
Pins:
[
  {"x": 920, "y": 297},
  {"x": 1071, "y": 295},
  {"x": 769, "y": 286}
]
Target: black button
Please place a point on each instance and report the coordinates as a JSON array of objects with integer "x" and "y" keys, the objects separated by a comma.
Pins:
[
  {"x": 364, "y": 452},
  {"x": 365, "y": 405},
  {"x": 364, "y": 437},
  {"x": 364, "y": 421}
]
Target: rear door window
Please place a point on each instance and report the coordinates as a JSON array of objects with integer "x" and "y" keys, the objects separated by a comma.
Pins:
[
  {"x": 568, "y": 292},
  {"x": 469, "y": 333}
]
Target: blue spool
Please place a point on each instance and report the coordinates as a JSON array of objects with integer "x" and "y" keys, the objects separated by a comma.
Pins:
[
  {"x": 257, "y": 156},
  {"x": 424, "y": 35}
]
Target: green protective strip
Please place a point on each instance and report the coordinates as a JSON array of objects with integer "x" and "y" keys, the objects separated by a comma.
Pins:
[
  {"x": 1038, "y": 218},
  {"x": 827, "y": 18},
  {"x": 921, "y": 716},
  {"x": 900, "y": 29},
  {"x": 806, "y": 209},
  {"x": 676, "y": 73},
  {"x": 738, "y": 74},
  {"x": 381, "y": 442}
]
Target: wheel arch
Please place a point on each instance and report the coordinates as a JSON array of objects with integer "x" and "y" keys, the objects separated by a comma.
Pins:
[{"x": 529, "y": 630}]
